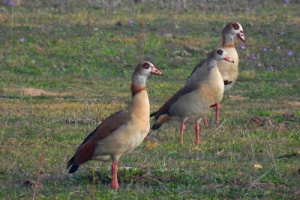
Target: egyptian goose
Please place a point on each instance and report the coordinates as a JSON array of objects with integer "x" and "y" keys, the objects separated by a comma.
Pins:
[
  {"x": 121, "y": 132},
  {"x": 229, "y": 71},
  {"x": 194, "y": 100}
]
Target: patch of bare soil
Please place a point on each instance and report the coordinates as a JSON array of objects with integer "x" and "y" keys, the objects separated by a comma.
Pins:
[
  {"x": 39, "y": 92},
  {"x": 294, "y": 103},
  {"x": 35, "y": 92},
  {"x": 237, "y": 97}
]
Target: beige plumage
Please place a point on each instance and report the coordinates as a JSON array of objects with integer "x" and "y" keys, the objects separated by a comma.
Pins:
[
  {"x": 229, "y": 71},
  {"x": 194, "y": 100},
  {"x": 121, "y": 132}
]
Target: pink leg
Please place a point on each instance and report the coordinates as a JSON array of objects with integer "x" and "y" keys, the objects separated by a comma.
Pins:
[
  {"x": 218, "y": 106},
  {"x": 205, "y": 120},
  {"x": 197, "y": 133},
  {"x": 182, "y": 127},
  {"x": 114, "y": 169}
]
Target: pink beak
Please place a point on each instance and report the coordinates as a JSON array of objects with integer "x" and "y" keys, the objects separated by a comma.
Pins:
[
  {"x": 241, "y": 36},
  {"x": 155, "y": 71},
  {"x": 227, "y": 58}
]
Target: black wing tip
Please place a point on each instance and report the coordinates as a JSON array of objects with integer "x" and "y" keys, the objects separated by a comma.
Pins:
[
  {"x": 153, "y": 114},
  {"x": 71, "y": 163},
  {"x": 156, "y": 126},
  {"x": 73, "y": 169}
]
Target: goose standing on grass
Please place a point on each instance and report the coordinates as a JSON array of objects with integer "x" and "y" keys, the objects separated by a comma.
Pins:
[
  {"x": 121, "y": 132},
  {"x": 229, "y": 71},
  {"x": 195, "y": 99}
]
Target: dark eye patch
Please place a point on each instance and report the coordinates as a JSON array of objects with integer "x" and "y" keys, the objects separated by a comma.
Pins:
[
  {"x": 220, "y": 52},
  {"x": 146, "y": 65},
  {"x": 235, "y": 26}
]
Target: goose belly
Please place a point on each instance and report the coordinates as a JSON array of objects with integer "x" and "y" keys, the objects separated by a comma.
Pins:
[{"x": 124, "y": 140}]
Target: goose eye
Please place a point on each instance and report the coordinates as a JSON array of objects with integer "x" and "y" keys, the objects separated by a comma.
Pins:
[
  {"x": 235, "y": 26},
  {"x": 146, "y": 65},
  {"x": 220, "y": 52}
]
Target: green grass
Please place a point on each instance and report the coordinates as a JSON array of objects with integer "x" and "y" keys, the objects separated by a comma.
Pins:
[{"x": 61, "y": 73}]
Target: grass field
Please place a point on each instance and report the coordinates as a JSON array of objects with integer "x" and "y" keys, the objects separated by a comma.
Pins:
[{"x": 64, "y": 68}]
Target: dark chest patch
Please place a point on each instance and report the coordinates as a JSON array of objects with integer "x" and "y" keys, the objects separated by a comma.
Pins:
[
  {"x": 226, "y": 82},
  {"x": 213, "y": 105}
]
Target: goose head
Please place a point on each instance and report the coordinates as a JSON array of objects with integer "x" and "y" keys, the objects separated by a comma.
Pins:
[
  {"x": 232, "y": 30},
  {"x": 221, "y": 54},
  {"x": 146, "y": 68}
]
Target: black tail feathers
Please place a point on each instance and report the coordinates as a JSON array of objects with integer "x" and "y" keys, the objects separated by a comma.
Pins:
[
  {"x": 153, "y": 114},
  {"x": 156, "y": 126},
  {"x": 73, "y": 168},
  {"x": 71, "y": 163}
]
